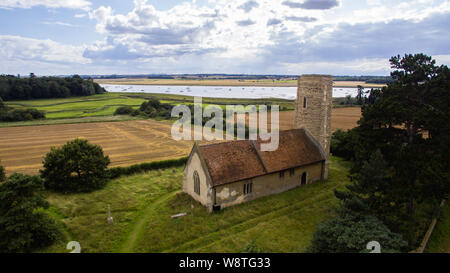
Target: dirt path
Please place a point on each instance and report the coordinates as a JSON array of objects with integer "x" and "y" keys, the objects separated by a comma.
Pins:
[{"x": 143, "y": 219}]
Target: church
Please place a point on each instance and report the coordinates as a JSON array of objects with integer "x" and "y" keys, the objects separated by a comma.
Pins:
[{"x": 229, "y": 173}]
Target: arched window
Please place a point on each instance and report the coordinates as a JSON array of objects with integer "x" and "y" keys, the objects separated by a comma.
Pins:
[{"x": 196, "y": 183}]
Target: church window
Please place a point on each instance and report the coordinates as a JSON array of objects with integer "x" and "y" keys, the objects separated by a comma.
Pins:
[
  {"x": 196, "y": 183},
  {"x": 248, "y": 188}
]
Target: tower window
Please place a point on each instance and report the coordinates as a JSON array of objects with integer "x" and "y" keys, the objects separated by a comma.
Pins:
[
  {"x": 196, "y": 183},
  {"x": 304, "y": 102}
]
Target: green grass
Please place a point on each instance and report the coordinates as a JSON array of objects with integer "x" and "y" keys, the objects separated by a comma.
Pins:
[
  {"x": 76, "y": 107},
  {"x": 142, "y": 205},
  {"x": 440, "y": 238},
  {"x": 69, "y": 121},
  {"x": 106, "y": 105}
]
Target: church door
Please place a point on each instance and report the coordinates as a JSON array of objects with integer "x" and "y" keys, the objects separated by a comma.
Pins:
[{"x": 304, "y": 178}]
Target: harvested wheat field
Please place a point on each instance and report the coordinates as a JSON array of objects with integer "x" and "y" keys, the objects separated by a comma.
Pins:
[
  {"x": 342, "y": 118},
  {"x": 22, "y": 148}
]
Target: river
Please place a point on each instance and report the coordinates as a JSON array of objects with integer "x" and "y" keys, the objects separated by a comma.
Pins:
[{"x": 244, "y": 92}]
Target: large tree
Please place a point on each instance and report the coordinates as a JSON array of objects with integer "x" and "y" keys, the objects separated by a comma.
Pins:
[
  {"x": 408, "y": 122},
  {"x": 400, "y": 148},
  {"x": 78, "y": 166},
  {"x": 24, "y": 226},
  {"x": 2, "y": 174},
  {"x": 350, "y": 232}
]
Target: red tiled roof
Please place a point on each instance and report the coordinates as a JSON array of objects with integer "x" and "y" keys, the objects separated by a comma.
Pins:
[{"x": 233, "y": 161}]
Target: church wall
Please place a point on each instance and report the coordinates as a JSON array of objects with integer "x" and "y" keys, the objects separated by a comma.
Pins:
[
  {"x": 188, "y": 181},
  {"x": 233, "y": 193}
]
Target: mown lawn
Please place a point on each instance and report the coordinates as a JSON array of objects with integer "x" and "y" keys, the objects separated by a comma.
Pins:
[{"x": 142, "y": 205}]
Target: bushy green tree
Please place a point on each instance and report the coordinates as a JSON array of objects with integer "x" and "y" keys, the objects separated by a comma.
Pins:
[
  {"x": 124, "y": 110},
  {"x": 408, "y": 122},
  {"x": 20, "y": 114},
  {"x": 400, "y": 148},
  {"x": 24, "y": 226},
  {"x": 150, "y": 107},
  {"x": 360, "y": 95},
  {"x": 154, "y": 108},
  {"x": 343, "y": 144},
  {"x": 2, "y": 104},
  {"x": 370, "y": 190},
  {"x": 78, "y": 166},
  {"x": 350, "y": 232},
  {"x": 2, "y": 174}
]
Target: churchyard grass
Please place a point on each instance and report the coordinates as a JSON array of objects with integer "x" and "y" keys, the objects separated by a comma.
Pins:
[{"x": 142, "y": 204}]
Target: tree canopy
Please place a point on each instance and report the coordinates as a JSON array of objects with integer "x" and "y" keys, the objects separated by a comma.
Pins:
[
  {"x": 2, "y": 174},
  {"x": 78, "y": 166},
  {"x": 24, "y": 226},
  {"x": 14, "y": 88},
  {"x": 351, "y": 232},
  {"x": 400, "y": 148},
  {"x": 408, "y": 122}
]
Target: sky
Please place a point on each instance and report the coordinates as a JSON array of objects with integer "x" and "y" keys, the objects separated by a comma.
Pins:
[{"x": 291, "y": 37}]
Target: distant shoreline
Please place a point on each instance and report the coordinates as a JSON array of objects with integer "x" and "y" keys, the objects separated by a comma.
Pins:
[{"x": 226, "y": 82}]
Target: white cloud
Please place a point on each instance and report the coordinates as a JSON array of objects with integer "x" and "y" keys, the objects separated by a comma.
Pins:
[
  {"x": 28, "y": 49},
  {"x": 59, "y": 23},
  {"x": 249, "y": 36},
  {"x": 25, "y": 4}
]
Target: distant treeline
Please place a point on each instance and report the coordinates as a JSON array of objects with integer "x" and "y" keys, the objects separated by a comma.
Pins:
[
  {"x": 366, "y": 79},
  {"x": 15, "y": 88},
  {"x": 195, "y": 76}
]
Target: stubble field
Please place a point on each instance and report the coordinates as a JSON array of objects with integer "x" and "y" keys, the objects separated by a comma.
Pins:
[{"x": 22, "y": 149}]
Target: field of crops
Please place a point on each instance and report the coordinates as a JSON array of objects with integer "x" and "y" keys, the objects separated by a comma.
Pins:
[
  {"x": 126, "y": 142},
  {"x": 22, "y": 148}
]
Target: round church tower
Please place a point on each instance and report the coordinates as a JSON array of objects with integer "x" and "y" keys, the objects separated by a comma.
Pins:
[{"x": 313, "y": 109}]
